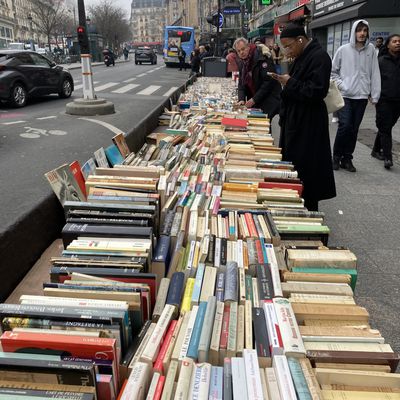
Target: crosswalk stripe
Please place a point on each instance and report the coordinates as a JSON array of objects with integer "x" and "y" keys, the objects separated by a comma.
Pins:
[
  {"x": 49, "y": 117},
  {"x": 149, "y": 90},
  {"x": 140, "y": 75},
  {"x": 77, "y": 87},
  {"x": 126, "y": 88},
  {"x": 170, "y": 91},
  {"x": 13, "y": 122},
  {"x": 130, "y": 80},
  {"x": 105, "y": 86}
]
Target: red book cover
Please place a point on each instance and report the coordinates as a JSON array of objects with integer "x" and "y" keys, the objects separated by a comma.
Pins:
[
  {"x": 159, "y": 388},
  {"x": 158, "y": 365},
  {"x": 77, "y": 172},
  {"x": 260, "y": 254},
  {"x": 234, "y": 122},
  {"x": 282, "y": 185},
  {"x": 223, "y": 342},
  {"x": 66, "y": 345},
  {"x": 250, "y": 225}
]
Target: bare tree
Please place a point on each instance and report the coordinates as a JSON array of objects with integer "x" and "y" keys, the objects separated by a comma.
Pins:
[
  {"x": 64, "y": 26},
  {"x": 111, "y": 23},
  {"x": 46, "y": 14}
]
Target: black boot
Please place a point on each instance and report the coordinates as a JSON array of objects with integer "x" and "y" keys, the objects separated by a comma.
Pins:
[
  {"x": 348, "y": 165},
  {"x": 377, "y": 154},
  {"x": 335, "y": 163},
  {"x": 388, "y": 163}
]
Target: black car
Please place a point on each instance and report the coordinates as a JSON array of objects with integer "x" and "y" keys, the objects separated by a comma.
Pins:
[
  {"x": 145, "y": 54},
  {"x": 26, "y": 73}
]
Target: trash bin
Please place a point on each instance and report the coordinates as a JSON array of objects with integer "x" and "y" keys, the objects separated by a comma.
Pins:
[{"x": 213, "y": 66}]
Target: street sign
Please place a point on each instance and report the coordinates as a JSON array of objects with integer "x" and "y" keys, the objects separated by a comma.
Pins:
[
  {"x": 231, "y": 10},
  {"x": 220, "y": 20}
]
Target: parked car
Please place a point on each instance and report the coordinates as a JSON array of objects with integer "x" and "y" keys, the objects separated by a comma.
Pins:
[
  {"x": 25, "y": 74},
  {"x": 145, "y": 54}
]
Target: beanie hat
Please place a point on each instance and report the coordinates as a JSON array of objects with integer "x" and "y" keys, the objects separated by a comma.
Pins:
[{"x": 293, "y": 30}]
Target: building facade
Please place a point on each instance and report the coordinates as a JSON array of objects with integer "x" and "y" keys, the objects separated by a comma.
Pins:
[
  {"x": 148, "y": 19},
  {"x": 6, "y": 23}
]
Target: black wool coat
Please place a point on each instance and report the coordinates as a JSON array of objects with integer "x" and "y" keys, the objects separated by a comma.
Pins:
[
  {"x": 267, "y": 96},
  {"x": 304, "y": 122}
]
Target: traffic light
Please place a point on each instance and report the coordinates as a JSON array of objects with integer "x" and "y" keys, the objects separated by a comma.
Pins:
[
  {"x": 265, "y": 2},
  {"x": 83, "y": 39},
  {"x": 213, "y": 19}
]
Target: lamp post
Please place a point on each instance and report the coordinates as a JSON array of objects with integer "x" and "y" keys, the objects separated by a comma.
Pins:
[{"x": 32, "y": 41}]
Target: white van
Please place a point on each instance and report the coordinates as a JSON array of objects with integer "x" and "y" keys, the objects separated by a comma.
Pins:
[{"x": 16, "y": 46}]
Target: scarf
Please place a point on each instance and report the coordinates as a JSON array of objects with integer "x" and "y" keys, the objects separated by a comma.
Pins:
[{"x": 247, "y": 78}]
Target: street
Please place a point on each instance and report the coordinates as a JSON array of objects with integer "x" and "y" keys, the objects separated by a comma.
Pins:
[{"x": 40, "y": 137}]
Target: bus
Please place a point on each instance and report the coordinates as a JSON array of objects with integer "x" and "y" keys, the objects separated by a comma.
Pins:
[{"x": 174, "y": 37}]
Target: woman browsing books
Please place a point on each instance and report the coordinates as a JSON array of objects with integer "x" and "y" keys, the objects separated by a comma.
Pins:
[{"x": 303, "y": 117}]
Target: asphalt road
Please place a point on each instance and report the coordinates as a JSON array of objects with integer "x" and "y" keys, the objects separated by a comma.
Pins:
[{"x": 60, "y": 138}]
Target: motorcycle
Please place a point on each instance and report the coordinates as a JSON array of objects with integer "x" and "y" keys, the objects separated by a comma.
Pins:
[{"x": 108, "y": 60}]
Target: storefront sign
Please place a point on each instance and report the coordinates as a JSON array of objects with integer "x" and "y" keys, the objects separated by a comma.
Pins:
[{"x": 322, "y": 7}]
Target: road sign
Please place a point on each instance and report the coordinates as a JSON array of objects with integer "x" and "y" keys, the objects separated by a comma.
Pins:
[
  {"x": 241, "y": 2},
  {"x": 231, "y": 10},
  {"x": 220, "y": 20}
]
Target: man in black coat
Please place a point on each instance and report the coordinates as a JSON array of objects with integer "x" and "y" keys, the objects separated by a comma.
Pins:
[
  {"x": 256, "y": 88},
  {"x": 304, "y": 117}
]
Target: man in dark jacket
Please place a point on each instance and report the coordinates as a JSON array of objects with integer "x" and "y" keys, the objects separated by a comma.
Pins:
[
  {"x": 388, "y": 107},
  {"x": 256, "y": 88},
  {"x": 181, "y": 58}
]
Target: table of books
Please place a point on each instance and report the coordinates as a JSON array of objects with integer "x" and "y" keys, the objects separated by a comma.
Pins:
[{"x": 192, "y": 270}]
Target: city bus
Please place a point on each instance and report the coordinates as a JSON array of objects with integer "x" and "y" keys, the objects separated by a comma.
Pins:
[{"x": 175, "y": 36}]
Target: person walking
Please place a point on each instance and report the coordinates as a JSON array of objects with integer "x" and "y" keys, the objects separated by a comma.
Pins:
[
  {"x": 232, "y": 61},
  {"x": 304, "y": 119},
  {"x": 256, "y": 88},
  {"x": 388, "y": 107},
  {"x": 355, "y": 70},
  {"x": 181, "y": 58},
  {"x": 378, "y": 45},
  {"x": 195, "y": 62},
  {"x": 277, "y": 56}
]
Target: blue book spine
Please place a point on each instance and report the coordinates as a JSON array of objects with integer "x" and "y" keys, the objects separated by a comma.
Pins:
[
  {"x": 162, "y": 249},
  {"x": 182, "y": 188},
  {"x": 264, "y": 250},
  {"x": 195, "y": 339},
  {"x": 175, "y": 290},
  {"x": 216, "y": 383},
  {"x": 300, "y": 384},
  {"x": 220, "y": 290},
  {"x": 113, "y": 155},
  {"x": 198, "y": 283}
]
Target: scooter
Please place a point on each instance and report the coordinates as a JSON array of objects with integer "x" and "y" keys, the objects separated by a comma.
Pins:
[{"x": 108, "y": 60}]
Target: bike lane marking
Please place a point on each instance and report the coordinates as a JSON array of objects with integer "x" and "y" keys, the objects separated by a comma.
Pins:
[
  {"x": 49, "y": 117},
  {"x": 13, "y": 122},
  {"x": 112, "y": 128}
]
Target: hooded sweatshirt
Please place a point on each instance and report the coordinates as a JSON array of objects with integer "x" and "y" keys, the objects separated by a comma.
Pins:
[{"x": 356, "y": 71}]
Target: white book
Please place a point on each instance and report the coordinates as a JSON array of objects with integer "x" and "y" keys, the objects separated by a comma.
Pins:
[
  {"x": 213, "y": 355},
  {"x": 142, "y": 345},
  {"x": 242, "y": 285},
  {"x": 239, "y": 385},
  {"x": 200, "y": 383},
  {"x": 248, "y": 326},
  {"x": 153, "y": 346},
  {"x": 138, "y": 382},
  {"x": 168, "y": 389},
  {"x": 275, "y": 340},
  {"x": 253, "y": 380},
  {"x": 188, "y": 333},
  {"x": 217, "y": 252},
  {"x": 284, "y": 378},
  {"x": 264, "y": 384},
  {"x": 208, "y": 287},
  {"x": 256, "y": 298},
  {"x": 291, "y": 338},
  {"x": 153, "y": 386},
  {"x": 239, "y": 253},
  {"x": 276, "y": 279},
  {"x": 272, "y": 384},
  {"x": 185, "y": 375},
  {"x": 232, "y": 336},
  {"x": 191, "y": 256},
  {"x": 240, "y": 331}
]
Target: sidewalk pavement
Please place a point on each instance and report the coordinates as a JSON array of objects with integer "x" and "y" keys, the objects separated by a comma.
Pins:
[{"x": 365, "y": 217}]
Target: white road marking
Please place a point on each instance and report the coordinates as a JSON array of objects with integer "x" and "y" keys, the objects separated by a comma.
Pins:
[
  {"x": 126, "y": 88},
  {"x": 170, "y": 91},
  {"x": 49, "y": 117},
  {"x": 13, "y": 122},
  {"x": 77, "y": 87},
  {"x": 105, "y": 86},
  {"x": 140, "y": 75},
  {"x": 149, "y": 90},
  {"x": 112, "y": 128},
  {"x": 130, "y": 80}
]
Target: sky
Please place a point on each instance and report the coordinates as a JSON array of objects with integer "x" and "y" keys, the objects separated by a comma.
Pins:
[{"x": 124, "y": 4}]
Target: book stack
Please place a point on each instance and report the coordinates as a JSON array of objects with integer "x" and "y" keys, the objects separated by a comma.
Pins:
[{"x": 196, "y": 270}]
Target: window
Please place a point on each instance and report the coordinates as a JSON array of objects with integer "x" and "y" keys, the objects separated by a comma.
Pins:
[
  {"x": 40, "y": 60},
  {"x": 23, "y": 58}
]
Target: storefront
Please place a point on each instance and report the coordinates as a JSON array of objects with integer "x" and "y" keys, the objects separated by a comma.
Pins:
[
  {"x": 333, "y": 20},
  {"x": 6, "y": 33}
]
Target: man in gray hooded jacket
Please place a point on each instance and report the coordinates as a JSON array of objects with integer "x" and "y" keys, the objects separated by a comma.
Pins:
[{"x": 355, "y": 70}]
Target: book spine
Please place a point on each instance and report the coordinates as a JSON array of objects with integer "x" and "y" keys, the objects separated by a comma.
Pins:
[
  {"x": 137, "y": 384},
  {"x": 228, "y": 391},
  {"x": 242, "y": 285},
  {"x": 232, "y": 336},
  {"x": 188, "y": 334},
  {"x": 254, "y": 388},
  {"x": 264, "y": 280},
  {"x": 195, "y": 338},
  {"x": 206, "y": 330},
  {"x": 216, "y": 383},
  {"x": 200, "y": 384},
  {"x": 261, "y": 337},
  {"x": 274, "y": 336},
  {"x": 223, "y": 342},
  {"x": 220, "y": 288},
  {"x": 185, "y": 374},
  {"x": 208, "y": 286},
  {"x": 198, "y": 284},
  {"x": 153, "y": 386},
  {"x": 161, "y": 299},
  {"x": 248, "y": 326},
  {"x": 175, "y": 289},
  {"x": 276, "y": 280},
  {"x": 187, "y": 297},
  {"x": 284, "y": 378},
  {"x": 216, "y": 334},
  {"x": 298, "y": 378},
  {"x": 169, "y": 380},
  {"x": 231, "y": 282},
  {"x": 240, "y": 331},
  {"x": 249, "y": 287},
  {"x": 159, "y": 388},
  {"x": 239, "y": 385},
  {"x": 158, "y": 365}
]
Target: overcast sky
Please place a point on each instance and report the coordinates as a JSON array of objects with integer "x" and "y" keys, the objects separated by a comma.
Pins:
[{"x": 124, "y": 4}]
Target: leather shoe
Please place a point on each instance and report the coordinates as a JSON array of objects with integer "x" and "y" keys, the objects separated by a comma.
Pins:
[
  {"x": 377, "y": 155},
  {"x": 388, "y": 163},
  {"x": 335, "y": 163},
  {"x": 348, "y": 165}
]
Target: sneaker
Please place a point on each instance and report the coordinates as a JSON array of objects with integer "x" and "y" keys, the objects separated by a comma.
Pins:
[
  {"x": 335, "y": 120},
  {"x": 377, "y": 155},
  {"x": 348, "y": 165},
  {"x": 335, "y": 163},
  {"x": 388, "y": 163}
]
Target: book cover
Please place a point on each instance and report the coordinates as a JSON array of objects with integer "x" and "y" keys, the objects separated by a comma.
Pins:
[
  {"x": 77, "y": 172},
  {"x": 120, "y": 142},
  {"x": 113, "y": 155},
  {"x": 193, "y": 348}
]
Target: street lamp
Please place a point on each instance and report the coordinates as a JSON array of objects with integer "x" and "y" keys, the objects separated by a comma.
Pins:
[{"x": 32, "y": 41}]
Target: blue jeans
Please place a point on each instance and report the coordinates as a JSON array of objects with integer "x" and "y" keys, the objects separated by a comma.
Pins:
[{"x": 350, "y": 117}]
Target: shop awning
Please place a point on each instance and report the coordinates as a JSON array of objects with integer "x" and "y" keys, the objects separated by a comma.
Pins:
[
  {"x": 259, "y": 32},
  {"x": 341, "y": 15}
]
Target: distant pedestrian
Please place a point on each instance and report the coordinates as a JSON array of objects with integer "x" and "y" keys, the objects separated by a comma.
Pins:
[
  {"x": 256, "y": 88},
  {"x": 355, "y": 70},
  {"x": 278, "y": 57},
  {"x": 181, "y": 58},
  {"x": 378, "y": 45},
  {"x": 232, "y": 61},
  {"x": 388, "y": 107},
  {"x": 195, "y": 62},
  {"x": 225, "y": 50},
  {"x": 126, "y": 53},
  {"x": 303, "y": 117}
]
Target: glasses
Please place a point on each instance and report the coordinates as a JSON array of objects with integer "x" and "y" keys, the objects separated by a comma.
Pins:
[{"x": 287, "y": 47}]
